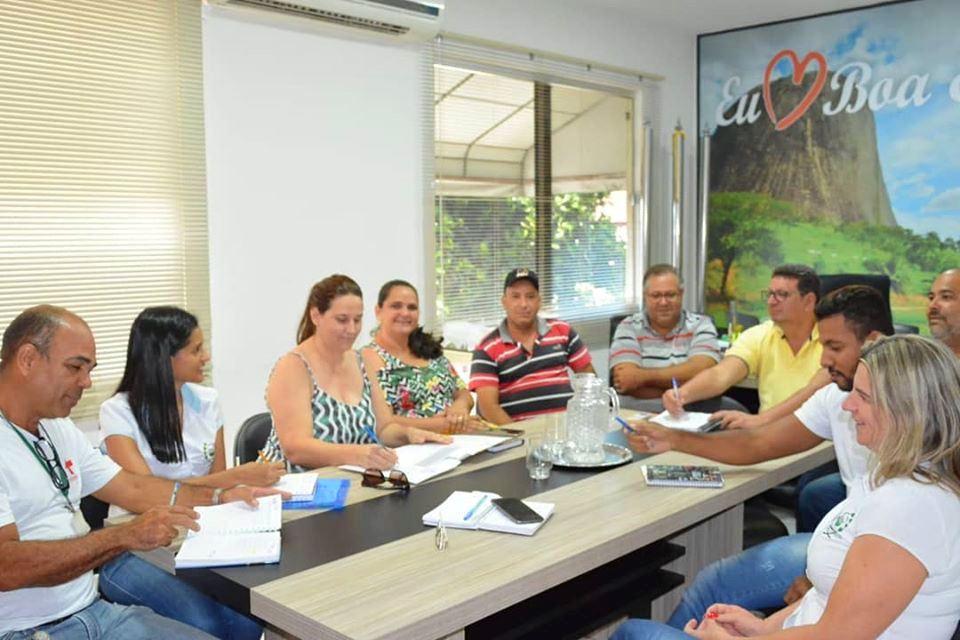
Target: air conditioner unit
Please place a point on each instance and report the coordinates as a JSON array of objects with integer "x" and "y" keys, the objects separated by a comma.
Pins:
[{"x": 404, "y": 20}]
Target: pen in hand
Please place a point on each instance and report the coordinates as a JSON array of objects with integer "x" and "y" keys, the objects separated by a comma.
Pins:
[
  {"x": 626, "y": 425},
  {"x": 373, "y": 436}
]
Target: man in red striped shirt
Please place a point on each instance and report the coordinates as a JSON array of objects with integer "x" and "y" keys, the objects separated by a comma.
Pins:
[{"x": 521, "y": 368}]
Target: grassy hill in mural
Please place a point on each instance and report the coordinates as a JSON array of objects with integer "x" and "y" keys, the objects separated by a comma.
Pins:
[{"x": 751, "y": 233}]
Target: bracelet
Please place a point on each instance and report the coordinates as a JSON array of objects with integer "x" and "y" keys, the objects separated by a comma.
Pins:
[
  {"x": 215, "y": 499},
  {"x": 173, "y": 496}
]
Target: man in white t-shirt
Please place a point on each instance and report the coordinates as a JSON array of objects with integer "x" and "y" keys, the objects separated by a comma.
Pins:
[
  {"x": 47, "y": 552},
  {"x": 759, "y": 577}
]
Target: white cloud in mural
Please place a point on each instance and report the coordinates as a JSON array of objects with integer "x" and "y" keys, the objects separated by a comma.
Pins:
[{"x": 949, "y": 200}]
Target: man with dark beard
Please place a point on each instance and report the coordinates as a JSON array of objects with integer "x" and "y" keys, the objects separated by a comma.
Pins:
[
  {"x": 758, "y": 578},
  {"x": 943, "y": 310}
]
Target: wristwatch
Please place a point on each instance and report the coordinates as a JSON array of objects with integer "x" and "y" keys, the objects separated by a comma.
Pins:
[{"x": 215, "y": 499}]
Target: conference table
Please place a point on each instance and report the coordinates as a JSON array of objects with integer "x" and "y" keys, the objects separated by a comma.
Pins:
[{"x": 613, "y": 548}]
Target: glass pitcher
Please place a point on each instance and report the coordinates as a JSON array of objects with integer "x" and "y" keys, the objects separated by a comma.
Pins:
[{"x": 588, "y": 419}]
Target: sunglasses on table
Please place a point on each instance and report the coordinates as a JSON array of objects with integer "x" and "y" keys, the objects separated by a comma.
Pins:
[{"x": 376, "y": 479}]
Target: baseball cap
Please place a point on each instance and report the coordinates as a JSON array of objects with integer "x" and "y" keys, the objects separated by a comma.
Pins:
[{"x": 522, "y": 274}]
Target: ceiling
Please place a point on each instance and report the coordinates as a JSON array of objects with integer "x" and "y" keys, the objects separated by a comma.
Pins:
[{"x": 705, "y": 16}]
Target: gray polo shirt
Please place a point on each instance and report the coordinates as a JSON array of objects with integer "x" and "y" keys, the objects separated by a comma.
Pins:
[{"x": 636, "y": 342}]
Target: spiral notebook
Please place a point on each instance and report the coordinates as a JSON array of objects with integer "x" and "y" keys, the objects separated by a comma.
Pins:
[
  {"x": 234, "y": 534},
  {"x": 674, "y": 475}
]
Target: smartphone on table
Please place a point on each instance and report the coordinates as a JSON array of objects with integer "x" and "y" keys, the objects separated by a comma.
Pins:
[{"x": 516, "y": 510}]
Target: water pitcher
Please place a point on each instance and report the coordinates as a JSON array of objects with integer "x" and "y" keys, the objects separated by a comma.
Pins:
[{"x": 588, "y": 419}]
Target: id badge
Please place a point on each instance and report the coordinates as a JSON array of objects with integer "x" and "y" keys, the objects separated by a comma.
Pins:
[{"x": 80, "y": 526}]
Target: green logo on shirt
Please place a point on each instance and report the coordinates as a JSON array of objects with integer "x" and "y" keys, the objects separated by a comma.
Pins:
[{"x": 838, "y": 524}]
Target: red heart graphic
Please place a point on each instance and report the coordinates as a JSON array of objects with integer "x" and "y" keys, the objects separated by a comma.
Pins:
[{"x": 799, "y": 66}]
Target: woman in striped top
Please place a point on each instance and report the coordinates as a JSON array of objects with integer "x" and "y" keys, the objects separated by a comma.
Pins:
[{"x": 325, "y": 408}]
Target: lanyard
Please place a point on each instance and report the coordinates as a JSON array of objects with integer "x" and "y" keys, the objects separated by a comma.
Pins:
[{"x": 45, "y": 465}]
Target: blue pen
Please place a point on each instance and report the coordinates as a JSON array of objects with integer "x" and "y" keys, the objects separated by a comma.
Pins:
[
  {"x": 625, "y": 425},
  {"x": 676, "y": 390},
  {"x": 372, "y": 435},
  {"x": 473, "y": 509}
]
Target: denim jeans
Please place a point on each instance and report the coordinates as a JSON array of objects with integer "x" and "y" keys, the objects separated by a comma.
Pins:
[
  {"x": 102, "y": 620},
  {"x": 753, "y": 579},
  {"x": 816, "y": 498},
  {"x": 129, "y": 580}
]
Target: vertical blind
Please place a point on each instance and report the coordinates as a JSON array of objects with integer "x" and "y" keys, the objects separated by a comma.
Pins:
[
  {"x": 102, "y": 179},
  {"x": 532, "y": 169}
]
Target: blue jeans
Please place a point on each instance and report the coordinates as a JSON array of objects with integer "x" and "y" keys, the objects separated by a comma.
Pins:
[
  {"x": 128, "y": 579},
  {"x": 756, "y": 578},
  {"x": 106, "y": 620},
  {"x": 816, "y": 498}
]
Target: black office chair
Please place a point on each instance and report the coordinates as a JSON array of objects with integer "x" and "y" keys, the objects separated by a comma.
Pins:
[
  {"x": 94, "y": 511},
  {"x": 252, "y": 437}
]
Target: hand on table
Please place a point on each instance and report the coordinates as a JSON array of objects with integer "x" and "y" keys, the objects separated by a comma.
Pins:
[
  {"x": 420, "y": 436},
  {"x": 249, "y": 494},
  {"x": 627, "y": 377},
  {"x": 156, "y": 527},
  {"x": 737, "y": 419}
]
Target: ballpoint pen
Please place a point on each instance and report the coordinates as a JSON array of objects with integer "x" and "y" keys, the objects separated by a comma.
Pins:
[
  {"x": 474, "y": 508},
  {"x": 676, "y": 390},
  {"x": 373, "y": 436},
  {"x": 626, "y": 425}
]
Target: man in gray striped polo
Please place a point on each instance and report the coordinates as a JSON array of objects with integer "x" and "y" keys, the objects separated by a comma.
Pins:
[{"x": 661, "y": 342}]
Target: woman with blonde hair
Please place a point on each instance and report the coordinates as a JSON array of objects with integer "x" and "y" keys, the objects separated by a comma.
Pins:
[
  {"x": 419, "y": 383},
  {"x": 325, "y": 409},
  {"x": 885, "y": 562}
]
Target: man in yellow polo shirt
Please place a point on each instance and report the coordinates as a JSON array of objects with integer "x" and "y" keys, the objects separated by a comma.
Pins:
[{"x": 782, "y": 353}]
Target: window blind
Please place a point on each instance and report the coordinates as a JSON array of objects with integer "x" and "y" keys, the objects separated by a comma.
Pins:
[
  {"x": 533, "y": 165},
  {"x": 102, "y": 178}
]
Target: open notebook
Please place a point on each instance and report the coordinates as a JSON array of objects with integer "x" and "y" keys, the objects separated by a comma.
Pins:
[
  {"x": 473, "y": 510},
  {"x": 420, "y": 462},
  {"x": 233, "y": 534}
]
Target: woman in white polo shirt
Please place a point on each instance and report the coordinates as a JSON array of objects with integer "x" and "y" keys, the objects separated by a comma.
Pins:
[
  {"x": 885, "y": 562},
  {"x": 163, "y": 422}
]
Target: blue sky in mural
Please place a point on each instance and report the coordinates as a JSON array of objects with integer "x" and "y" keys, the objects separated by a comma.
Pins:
[{"x": 917, "y": 144}]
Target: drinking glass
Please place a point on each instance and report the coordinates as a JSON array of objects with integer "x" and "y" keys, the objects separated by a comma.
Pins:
[
  {"x": 555, "y": 435},
  {"x": 539, "y": 457}
]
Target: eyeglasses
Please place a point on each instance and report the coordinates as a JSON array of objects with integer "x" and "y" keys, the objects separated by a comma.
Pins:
[
  {"x": 375, "y": 479},
  {"x": 52, "y": 459},
  {"x": 779, "y": 295},
  {"x": 669, "y": 296}
]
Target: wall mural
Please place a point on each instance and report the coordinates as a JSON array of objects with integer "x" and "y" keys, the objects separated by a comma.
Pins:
[{"x": 835, "y": 143}]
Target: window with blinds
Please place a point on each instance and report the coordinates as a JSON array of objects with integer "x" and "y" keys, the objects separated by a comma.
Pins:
[
  {"x": 531, "y": 174},
  {"x": 102, "y": 179}
]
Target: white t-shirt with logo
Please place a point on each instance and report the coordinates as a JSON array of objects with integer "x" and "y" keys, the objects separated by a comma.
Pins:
[
  {"x": 920, "y": 518},
  {"x": 29, "y": 499},
  {"x": 823, "y": 415},
  {"x": 201, "y": 421}
]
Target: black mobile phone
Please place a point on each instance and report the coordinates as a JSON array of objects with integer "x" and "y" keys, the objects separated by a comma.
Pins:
[{"x": 517, "y": 511}]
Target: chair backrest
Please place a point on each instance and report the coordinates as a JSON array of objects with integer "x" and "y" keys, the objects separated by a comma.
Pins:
[
  {"x": 614, "y": 323},
  {"x": 905, "y": 328},
  {"x": 252, "y": 437}
]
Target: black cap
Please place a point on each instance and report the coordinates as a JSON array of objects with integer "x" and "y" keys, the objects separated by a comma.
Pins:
[{"x": 522, "y": 274}]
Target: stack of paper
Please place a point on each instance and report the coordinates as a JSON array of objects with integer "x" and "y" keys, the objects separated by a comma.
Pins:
[
  {"x": 474, "y": 510},
  {"x": 420, "y": 462},
  {"x": 687, "y": 421},
  {"x": 300, "y": 485},
  {"x": 233, "y": 534}
]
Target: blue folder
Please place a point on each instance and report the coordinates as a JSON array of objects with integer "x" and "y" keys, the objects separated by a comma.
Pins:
[{"x": 330, "y": 494}]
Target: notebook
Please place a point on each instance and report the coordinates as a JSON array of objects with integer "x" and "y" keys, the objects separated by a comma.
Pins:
[
  {"x": 301, "y": 485},
  {"x": 473, "y": 510},
  {"x": 688, "y": 421},
  {"x": 330, "y": 493},
  {"x": 234, "y": 534},
  {"x": 420, "y": 462},
  {"x": 672, "y": 475}
]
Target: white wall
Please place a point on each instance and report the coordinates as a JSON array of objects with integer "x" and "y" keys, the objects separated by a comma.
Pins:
[{"x": 306, "y": 177}]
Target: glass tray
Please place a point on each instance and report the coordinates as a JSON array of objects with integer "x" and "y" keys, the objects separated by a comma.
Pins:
[{"x": 615, "y": 455}]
